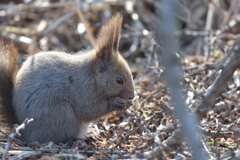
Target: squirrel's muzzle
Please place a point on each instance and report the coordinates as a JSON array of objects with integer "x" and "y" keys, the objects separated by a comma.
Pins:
[{"x": 127, "y": 94}]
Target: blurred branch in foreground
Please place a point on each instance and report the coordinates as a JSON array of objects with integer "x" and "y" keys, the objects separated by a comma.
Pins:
[{"x": 165, "y": 29}]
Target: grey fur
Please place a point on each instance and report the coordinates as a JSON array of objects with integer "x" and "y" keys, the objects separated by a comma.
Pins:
[
  {"x": 59, "y": 91},
  {"x": 63, "y": 92}
]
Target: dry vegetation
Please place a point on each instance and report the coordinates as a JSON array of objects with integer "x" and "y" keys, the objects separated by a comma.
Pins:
[{"x": 148, "y": 129}]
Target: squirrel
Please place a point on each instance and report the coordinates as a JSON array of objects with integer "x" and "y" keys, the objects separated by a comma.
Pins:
[{"x": 64, "y": 92}]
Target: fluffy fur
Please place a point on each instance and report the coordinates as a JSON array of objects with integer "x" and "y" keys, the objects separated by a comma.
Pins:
[{"x": 63, "y": 92}]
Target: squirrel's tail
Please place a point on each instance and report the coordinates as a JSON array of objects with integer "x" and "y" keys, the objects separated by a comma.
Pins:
[{"x": 8, "y": 68}]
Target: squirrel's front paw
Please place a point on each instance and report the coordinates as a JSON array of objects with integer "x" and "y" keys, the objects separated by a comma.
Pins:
[{"x": 120, "y": 103}]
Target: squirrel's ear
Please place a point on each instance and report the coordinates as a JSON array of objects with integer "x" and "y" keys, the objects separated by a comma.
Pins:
[{"x": 108, "y": 39}]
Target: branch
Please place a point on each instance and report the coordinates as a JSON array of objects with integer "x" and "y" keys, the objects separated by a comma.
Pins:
[
  {"x": 230, "y": 64},
  {"x": 165, "y": 29},
  {"x": 87, "y": 25},
  {"x": 13, "y": 135}
]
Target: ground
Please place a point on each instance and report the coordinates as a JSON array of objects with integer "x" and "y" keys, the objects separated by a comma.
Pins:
[{"x": 148, "y": 129}]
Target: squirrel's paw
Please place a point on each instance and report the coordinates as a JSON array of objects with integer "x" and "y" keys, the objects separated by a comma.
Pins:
[{"x": 120, "y": 103}]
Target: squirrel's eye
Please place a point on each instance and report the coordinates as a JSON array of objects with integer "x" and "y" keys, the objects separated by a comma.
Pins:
[{"x": 120, "y": 80}]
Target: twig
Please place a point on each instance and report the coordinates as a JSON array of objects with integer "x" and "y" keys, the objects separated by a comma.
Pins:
[
  {"x": 18, "y": 30},
  {"x": 15, "y": 8},
  {"x": 208, "y": 27},
  {"x": 13, "y": 135},
  {"x": 53, "y": 25},
  {"x": 28, "y": 152},
  {"x": 87, "y": 25}
]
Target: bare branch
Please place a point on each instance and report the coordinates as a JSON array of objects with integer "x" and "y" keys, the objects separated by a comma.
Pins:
[
  {"x": 88, "y": 27},
  {"x": 165, "y": 28},
  {"x": 230, "y": 64}
]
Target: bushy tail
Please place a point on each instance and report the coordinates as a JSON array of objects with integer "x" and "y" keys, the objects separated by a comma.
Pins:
[{"x": 8, "y": 68}]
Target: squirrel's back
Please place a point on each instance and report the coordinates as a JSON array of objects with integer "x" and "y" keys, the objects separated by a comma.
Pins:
[
  {"x": 44, "y": 90},
  {"x": 45, "y": 74}
]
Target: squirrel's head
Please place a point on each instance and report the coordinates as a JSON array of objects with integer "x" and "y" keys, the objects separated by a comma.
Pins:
[{"x": 113, "y": 75}]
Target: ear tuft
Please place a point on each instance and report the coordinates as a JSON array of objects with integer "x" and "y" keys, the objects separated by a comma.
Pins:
[{"x": 109, "y": 36}]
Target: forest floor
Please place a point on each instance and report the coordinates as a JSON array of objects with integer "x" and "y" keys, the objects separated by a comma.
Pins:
[{"x": 148, "y": 129}]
